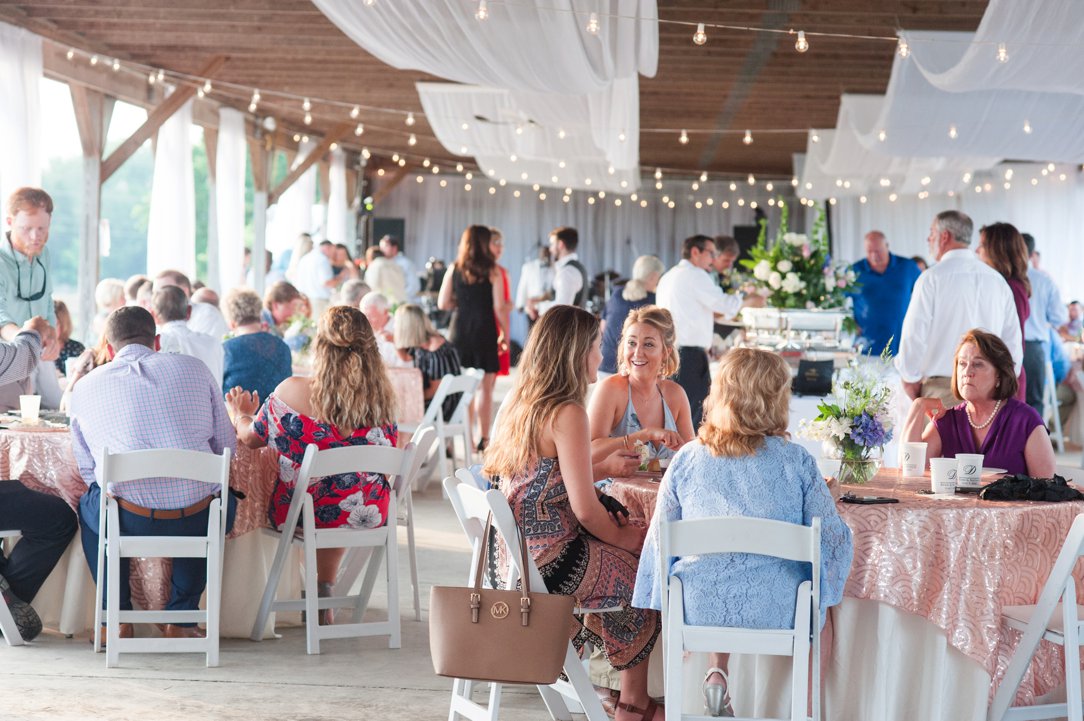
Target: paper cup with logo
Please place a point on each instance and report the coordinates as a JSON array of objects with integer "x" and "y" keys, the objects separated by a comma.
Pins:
[
  {"x": 913, "y": 458},
  {"x": 969, "y": 470},
  {"x": 29, "y": 407},
  {"x": 943, "y": 476}
]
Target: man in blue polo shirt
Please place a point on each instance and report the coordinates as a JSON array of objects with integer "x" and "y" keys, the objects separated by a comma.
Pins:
[{"x": 885, "y": 282}]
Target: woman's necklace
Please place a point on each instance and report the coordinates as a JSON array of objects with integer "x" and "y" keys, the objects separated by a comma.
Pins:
[{"x": 980, "y": 426}]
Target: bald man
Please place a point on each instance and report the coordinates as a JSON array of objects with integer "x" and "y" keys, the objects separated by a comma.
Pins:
[{"x": 885, "y": 283}]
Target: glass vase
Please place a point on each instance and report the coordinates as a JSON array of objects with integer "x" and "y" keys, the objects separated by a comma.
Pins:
[{"x": 858, "y": 471}]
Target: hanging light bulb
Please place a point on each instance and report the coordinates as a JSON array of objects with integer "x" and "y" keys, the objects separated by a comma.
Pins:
[
  {"x": 592, "y": 24},
  {"x": 482, "y": 13},
  {"x": 409, "y": 119},
  {"x": 93, "y": 60},
  {"x": 152, "y": 78},
  {"x": 306, "y": 105},
  {"x": 116, "y": 65},
  {"x": 70, "y": 54},
  {"x": 207, "y": 86},
  {"x": 561, "y": 134},
  {"x": 621, "y": 137},
  {"x": 658, "y": 173},
  {"x": 1002, "y": 53},
  {"x": 704, "y": 176},
  {"x": 308, "y": 118},
  {"x": 700, "y": 37},
  {"x": 684, "y": 137},
  {"x": 365, "y": 153},
  {"x": 751, "y": 180},
  {"x": 903, "y": 48},
  {"x": 952, "y": 132},
  {"x": 369, "y": 3},
  {"x": 748, "y": 139},
  {"x": 1027, "y": 127},
  {"x": 355, "y": 112},
  {"x": 801, "y": 44},
  {"x": 882, "y": 135},
  {"x": 254, "y": 102},
  {"x": 412, "y": 140},
  {"x": 815, "y": 138},
  {"x": 426, "y": 163},
  {"x": 161, "y": 75},
  {"x": 360, "y": 129}
]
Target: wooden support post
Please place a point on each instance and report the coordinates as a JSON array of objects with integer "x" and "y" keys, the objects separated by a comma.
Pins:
[
  {"x": 161, "y": 113},
  {"x": 210, "y": 144},
  {"x": 259, "y": 155},
  {"x": 336, "y": 134},
  {"x": 92, "y": 113}
]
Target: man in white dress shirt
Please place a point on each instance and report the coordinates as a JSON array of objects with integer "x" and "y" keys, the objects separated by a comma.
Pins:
[
  {"x": 374, "y": 306},
  {"x": 535, "y": 282},
  {"x": 694, "y": 299},
  {"x": 171, "y": 312},
  {"x": 392, "y": 248},
  {"x": 315, "y": 278},
  {"x": 958, "y": 293},
  {"x": 205, "y": 318},
  {"x": 569, "y": 275}
]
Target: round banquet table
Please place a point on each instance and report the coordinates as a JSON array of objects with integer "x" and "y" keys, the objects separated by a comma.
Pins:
[{"x": 919, "y": 632}]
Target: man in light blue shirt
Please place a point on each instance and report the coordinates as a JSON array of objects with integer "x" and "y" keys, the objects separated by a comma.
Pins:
[
  {"x": 885, "y": 283},
  {"x": 1046, "y": 310}
]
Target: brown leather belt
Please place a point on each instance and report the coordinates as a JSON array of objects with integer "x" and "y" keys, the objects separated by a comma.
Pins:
[{"x": 166, "y": 514}]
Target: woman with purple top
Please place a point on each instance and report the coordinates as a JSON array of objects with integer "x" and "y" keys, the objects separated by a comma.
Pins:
[{"x": 990, "y": 421}]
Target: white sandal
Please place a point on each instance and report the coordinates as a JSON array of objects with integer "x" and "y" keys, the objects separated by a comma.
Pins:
[{"x": 717, "y": 696}]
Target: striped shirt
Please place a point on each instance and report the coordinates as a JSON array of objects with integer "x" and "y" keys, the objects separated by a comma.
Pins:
[{"x": 144, "y": 400}]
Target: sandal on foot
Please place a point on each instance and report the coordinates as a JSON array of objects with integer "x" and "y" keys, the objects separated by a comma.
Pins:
[
  {"x": 646, "y": 714},
  {"x": 717, "y": 695}
]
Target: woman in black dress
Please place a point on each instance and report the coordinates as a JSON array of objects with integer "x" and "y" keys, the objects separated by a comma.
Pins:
[{"x": 472, "y": 288}]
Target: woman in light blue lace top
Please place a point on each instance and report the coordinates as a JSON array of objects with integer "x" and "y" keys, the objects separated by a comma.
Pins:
[
  {"x": 741, "y": 465},
  {"x": 641, "y": 403}
]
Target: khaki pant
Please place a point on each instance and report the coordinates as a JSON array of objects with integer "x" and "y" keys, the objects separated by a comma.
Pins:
[{"x": 940, "y": 387}]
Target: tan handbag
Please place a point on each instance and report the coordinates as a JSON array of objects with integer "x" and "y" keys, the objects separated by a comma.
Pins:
[{"x": 489, "y": 634}]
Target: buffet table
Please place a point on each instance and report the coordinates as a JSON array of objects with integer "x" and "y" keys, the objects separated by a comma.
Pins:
[{"x": 919, "y": 634}]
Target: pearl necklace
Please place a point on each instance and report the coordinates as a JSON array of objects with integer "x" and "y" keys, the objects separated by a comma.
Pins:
[{"x": 980, "y": 426}]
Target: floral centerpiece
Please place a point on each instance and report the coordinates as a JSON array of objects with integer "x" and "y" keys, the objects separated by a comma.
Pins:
[
  {"x": 797, "y": 271},
  {"x": 856, "y": 427},
  {"x": 299, "y": 332}
]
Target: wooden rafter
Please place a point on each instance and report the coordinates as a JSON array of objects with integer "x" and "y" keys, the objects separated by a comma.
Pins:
[
  {"x": 336, "y": 134},
  {"x": 163, "y": 112}
]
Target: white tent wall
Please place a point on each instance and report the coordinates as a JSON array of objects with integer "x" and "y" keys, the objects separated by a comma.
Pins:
[{"x": 1052, "y": 211}]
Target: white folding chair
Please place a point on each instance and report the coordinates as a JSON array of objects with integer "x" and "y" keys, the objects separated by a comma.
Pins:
[
  {"x": 7, "y": 622},
  {"x": 114, "y": 548},
  {"x": 1050, "y": 407},
  {"x": 382, "y": 542},
  {"x": 1056, "y": 617},
  {"x": 743, "y": 535},
  {"x": 457, "y": 426},
  {"x": 576, "y": 695}
]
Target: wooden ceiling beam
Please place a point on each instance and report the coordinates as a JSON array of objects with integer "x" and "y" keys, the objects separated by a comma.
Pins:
[
  {"x": 335, "y": 135},
  {"x": 161, "y": 113}
]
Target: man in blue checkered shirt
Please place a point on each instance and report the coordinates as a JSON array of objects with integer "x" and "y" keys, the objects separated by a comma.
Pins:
[{"x": 144, "y": 400}]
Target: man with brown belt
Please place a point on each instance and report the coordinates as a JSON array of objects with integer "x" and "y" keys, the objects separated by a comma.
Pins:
[{"x": 144, "y": 400}]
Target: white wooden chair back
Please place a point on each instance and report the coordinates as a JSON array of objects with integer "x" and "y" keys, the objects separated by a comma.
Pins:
[
  {"x": 395, "y": 464},
  {"x": 741, "y": 534},
  {"x": 1045, "y": 622},
  {"x": 457, "y": 425},
  {"x": 113, "y": 548},
  {"x": 8, "y": 627}
]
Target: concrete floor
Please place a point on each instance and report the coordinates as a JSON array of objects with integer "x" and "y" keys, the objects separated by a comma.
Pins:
[{"x": 61, "y": 679}]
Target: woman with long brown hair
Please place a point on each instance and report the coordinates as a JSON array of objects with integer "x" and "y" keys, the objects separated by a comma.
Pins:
[
  {"x": 540, "y": 459},
  {"x": 1002, "y": 247},
  {"x": 348, "y": 401},
  {"x": 473, "y": 288}
]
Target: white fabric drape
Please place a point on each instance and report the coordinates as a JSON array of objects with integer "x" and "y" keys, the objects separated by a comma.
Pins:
[
  {"x": 340, "y": 221},
  {"x": 171, "y": 230},
  {"x": 559, "y": 76},
  {"x": 293, "y": 213},
  {"x": 230, "y": 195},
  {"x": 1052, "y": 210},
  {"x": 20, "y": 136}
]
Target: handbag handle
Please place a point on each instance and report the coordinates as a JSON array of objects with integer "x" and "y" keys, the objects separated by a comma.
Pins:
[{"x": 525, "y": 577}]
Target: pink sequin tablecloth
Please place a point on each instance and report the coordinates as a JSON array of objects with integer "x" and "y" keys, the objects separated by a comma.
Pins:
[
  {"x": 408, "y": 389},
  {"x": 955, "y": 562}
]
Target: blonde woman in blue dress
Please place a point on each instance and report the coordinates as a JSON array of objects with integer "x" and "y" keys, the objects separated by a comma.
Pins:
[{"x": 640, "y": 404}]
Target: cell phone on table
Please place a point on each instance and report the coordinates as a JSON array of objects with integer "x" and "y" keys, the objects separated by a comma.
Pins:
[{"x": 867, "y": 500}]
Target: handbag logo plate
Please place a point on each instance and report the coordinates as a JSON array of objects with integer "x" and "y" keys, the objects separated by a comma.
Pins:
[{"x": 499, "y": 610}]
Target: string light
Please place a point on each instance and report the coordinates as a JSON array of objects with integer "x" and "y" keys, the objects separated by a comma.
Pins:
[
  {"x": 592, "y": 24},
  {"x": 1002, "y": 53},
  {"x": 369, "y": 3},
  {"x": 815, "y": 138},
  {"x": 151, "y": 79},
  {"x": 161, "y": 75},
  {"x": 482, "y": 13},
  {"x": 882, "y": 135},
  {"x": 700, "y": 37},
  {"x": 751, "y": 180},
  {"x": 658, "y": 173},
  {"x": 70, "y": 54},
  {"x": 426, "y": 163},
  {"x": 704, "y": 176},
  {"x": 903, "y": 48},
  {"x": 561, "y": 133},
  {"x": 801, "y": 44},
  {"x": 360, "y": 129},
  {"x": 952, "y": 132},
  {"x": 93, "y": 60},
  {"x": 412, "y": 140},
  {"x": 684, "y": 137},
  {"x": 409, "y": 119},
  {"x": 254, "y": 102},
  {"x": 748, "y": 139},
  {"x": 355, "y": 112},
  {"x": 306, "y": 105},
  {"x": 116, "y": 65},
  {"x": 1027, "y": 127},
  {"x": 621, "y": 137},
  {"x": 207, "y": 86}
]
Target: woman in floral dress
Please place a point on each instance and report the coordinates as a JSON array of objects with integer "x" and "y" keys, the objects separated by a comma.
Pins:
[{"x": 348, "y": 401}]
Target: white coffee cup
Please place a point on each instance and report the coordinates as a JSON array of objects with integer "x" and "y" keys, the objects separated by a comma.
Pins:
[
  {"x": 913, "y": 458},
  {"x": 29, "y": 407},
  {"x": 943, "y": 476},
  {"x": 969, "y": 470}
]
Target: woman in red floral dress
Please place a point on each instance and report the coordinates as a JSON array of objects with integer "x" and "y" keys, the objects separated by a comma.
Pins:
[{"x": 348, "y": 401}]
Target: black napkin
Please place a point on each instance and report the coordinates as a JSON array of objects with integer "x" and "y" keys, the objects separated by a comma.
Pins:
[{"x": 1022, "y": 487}]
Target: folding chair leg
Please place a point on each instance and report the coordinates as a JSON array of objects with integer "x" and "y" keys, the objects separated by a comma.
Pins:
[
  {"x": 412, "y": 550},
  {"x": 366, "y": 591},
  {"x": 112, "y": 612},
  {"x": 312, "y": 596},
  {"x": 1074, "y": 708},
  {"x": 555, "y": 703},
  {"x": 270, "y": 590},
  {"x": 214, "y": 585},
  {"x": 392, "y": 573}
]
